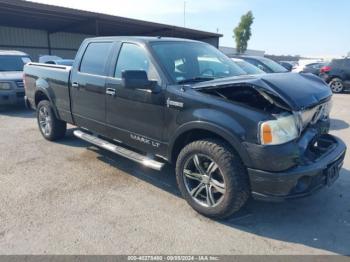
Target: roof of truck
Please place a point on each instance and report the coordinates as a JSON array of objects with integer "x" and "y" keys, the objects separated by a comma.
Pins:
[
  {"x": 141, "y": 39},
  {"x": 12, "y": 52}
]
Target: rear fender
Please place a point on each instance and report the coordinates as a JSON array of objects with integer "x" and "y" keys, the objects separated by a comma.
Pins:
[{"x": 43, "y": 87}]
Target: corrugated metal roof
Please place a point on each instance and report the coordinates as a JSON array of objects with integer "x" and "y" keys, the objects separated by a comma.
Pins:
[{"x": 51, "y": 18}]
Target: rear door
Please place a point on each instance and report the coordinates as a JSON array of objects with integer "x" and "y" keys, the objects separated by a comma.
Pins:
[
  {"x": 134, "y": 116},
  {"x": 88, "y": 86}
]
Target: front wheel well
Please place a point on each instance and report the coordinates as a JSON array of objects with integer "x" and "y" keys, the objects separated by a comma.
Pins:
[
  {"x": 40, "y": 96},
  {"x": 333, "y": 77},
  {"x": 191, "y": 136}
]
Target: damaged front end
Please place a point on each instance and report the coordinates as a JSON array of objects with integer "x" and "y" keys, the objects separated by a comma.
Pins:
[
  {"x": 317, "y": 163},
  {"x": 249, "y": 95},
  {"x": 285, "y": 124},
  {"x": 293, "y": 154}
]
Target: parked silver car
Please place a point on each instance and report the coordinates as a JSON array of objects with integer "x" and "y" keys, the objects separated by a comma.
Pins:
[{"x": 11, "y": 77}]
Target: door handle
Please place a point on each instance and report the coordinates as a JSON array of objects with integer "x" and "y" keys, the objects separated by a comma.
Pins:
[
  {"x": 75, "y": 84},
  {"x": 111, "y": 91}
]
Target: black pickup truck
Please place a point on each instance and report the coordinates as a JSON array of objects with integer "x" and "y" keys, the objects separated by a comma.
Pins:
[{"x": 230, "y": 135}]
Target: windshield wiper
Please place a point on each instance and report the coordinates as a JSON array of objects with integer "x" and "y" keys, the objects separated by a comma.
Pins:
[{"x": 196, "y": 79}]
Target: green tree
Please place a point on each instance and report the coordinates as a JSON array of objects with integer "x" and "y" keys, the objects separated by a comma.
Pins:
[{"x": 242, "y": 32}]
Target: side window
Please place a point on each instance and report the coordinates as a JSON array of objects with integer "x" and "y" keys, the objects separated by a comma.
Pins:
[
  {"x": 347, "y": 64},
  {"x": 342, "y": 64},
  {"x": 338, "y": 63},
  {"x": 133, "y": 57},
  {"x": 95, "y": 58}
]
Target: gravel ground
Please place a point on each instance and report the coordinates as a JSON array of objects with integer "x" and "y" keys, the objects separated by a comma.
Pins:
[{"x": 73, "y": 198}]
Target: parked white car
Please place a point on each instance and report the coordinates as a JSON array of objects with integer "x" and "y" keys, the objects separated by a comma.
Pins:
[{"x": 305, "y": 62}]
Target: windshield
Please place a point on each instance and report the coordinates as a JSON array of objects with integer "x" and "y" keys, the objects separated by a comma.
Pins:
[
  {"x": 249, "y": 68},
  {"x": 194, "y": 61},
  {"x": 13, "y": 63},
  {"x": 275, "y": 67}
]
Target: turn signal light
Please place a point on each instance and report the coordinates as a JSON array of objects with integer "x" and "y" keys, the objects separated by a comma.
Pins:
[{"x": 266, "y": 133}]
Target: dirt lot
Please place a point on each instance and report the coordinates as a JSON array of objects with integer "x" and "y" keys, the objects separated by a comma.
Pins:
[{"x": 73, "y": 198}]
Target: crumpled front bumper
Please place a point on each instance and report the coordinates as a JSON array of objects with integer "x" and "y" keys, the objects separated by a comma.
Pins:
[{"x": 319, "y": 165}]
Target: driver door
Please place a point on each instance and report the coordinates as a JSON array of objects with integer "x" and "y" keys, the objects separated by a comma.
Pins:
[{"x": 135, "y": 116}]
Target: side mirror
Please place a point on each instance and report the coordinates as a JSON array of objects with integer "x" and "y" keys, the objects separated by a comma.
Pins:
[{"x": 138, "y": 79}]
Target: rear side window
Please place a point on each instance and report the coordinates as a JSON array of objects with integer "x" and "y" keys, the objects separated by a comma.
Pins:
[
  {"x": 347, "y": 63},
  {"x": 337, "y": 62},
  {"x": 95, "y": 58}
]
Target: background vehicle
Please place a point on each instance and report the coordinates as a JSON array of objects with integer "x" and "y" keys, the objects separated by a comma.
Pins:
[
  {"x": 286, "y": 65},
  {"x": 309, "y": 66},
  {"x": 45, "y": 58},
  {"x": 247, "y": 67},
  {"x": 302, "y": 63},
  {"x": 265, "y": 64},
  {"x": 65, "y": 62},
  {"x": 156, "y": 100},
  {"x": 337, "y": 74},
  {"x": 313, "y": 68},
  {"x": 293, "y": 63},
  {"x": 11, "y": 77}
]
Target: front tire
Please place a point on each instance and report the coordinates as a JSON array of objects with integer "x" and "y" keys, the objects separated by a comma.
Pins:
[
  {"x": 50, "y": 127},
  {"x": 336, "y": 85},
  {"x": 212, "y": 178}
]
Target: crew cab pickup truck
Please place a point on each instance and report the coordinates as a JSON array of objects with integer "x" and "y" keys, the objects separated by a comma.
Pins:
[{"x": 230, "y": 135}]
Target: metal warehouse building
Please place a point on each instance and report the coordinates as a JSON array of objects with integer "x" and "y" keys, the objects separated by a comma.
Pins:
[{"x": 40, "y": 29}]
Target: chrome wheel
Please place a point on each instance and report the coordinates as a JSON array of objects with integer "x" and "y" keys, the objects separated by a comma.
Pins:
[
  {"x": 336, "y": 86},
  {"x": 45, "y": 121},
  {"x": 204, "y": 180}
]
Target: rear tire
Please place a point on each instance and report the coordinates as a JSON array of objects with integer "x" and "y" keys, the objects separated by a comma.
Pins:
[
  {"x": 50, "y": 127},
  {"x": 336, "y": 85},
  {"x": 212, "y": 178}
]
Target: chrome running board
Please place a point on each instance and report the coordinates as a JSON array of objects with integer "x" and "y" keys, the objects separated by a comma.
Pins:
[{"x": 141, "y": 159}]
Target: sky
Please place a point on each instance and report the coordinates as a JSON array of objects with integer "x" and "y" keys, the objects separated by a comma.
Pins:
[{"x": 312, "y": 28}]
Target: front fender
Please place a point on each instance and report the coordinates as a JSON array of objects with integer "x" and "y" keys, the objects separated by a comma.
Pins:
[{"x": 232, "y": 138}]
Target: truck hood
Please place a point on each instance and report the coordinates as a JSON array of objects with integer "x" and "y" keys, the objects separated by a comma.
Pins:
[
  {"x": 298, "y": 91},
  {"x": 10, "y": 76}
]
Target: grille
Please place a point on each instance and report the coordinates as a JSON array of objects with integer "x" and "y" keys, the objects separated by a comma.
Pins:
[
  {"x": 20, "y": 94},
  {"x": 20, "y": 84}
]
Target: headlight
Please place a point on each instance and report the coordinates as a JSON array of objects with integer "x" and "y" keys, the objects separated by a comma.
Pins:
[
  {"x": 279, "y": 131},
  {"x": 5, "y": 86},
  {"x": 316, "y": 113},
  {"x": 328, "y": 108}
]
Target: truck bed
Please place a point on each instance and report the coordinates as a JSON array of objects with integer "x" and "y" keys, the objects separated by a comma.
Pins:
[{"x": 51, "y": 80}]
